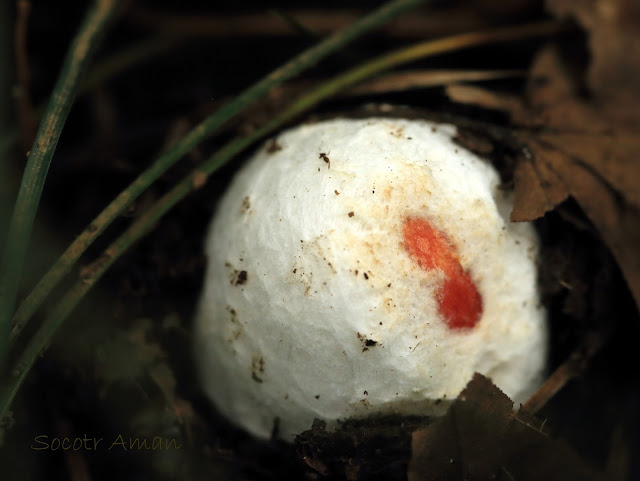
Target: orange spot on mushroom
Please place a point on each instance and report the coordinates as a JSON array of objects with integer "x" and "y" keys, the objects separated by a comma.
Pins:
[{"x": 459, "y": 301}]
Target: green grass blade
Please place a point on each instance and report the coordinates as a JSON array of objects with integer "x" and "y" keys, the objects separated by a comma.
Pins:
[
  {"x": 64, "y": 92},
  {"x": 200, "y": 132},
  {"x": 146, "y": 222}
]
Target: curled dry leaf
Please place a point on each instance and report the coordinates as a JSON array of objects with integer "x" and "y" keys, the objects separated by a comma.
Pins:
[
  {"x": 614, "y": 42},
  {"x": 578, "y": 147},
  {"x": 482, "y": 438},
  {"x": 580, "y": 150}
]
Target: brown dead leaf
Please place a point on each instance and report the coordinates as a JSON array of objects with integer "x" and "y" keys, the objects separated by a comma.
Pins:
[
  {"x": 586, "y": 147},
  {"x": 581, "y": 151},
  {"x": 614, "y": 42},
  {"x": 539, "y": 190},
  {"x": 580, "y": 130},
  {"x": 571, "y": 146},
  {"x": 481, "y": 438}
]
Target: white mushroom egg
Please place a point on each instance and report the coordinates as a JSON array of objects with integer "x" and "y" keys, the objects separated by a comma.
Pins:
[{"x": 361, "y": 267}]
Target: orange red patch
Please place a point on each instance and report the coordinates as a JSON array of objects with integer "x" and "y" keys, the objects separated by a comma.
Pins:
[{"x": 459, "y": 301}]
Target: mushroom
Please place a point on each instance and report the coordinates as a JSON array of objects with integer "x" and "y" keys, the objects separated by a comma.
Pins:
[{"x": 365, "y": 267}]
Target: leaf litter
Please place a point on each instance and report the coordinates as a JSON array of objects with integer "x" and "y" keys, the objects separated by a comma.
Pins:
[
  {"x": 481, "y": 438},
  {"x": 580, "y": 134},
  {"x": 576, "y": 139}
]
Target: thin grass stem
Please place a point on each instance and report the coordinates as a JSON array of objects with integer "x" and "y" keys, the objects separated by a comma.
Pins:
[
  {"x": 207, "y": 127},
  {"x": 64, "y": 92}
]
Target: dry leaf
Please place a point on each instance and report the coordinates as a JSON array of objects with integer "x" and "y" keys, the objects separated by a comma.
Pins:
[
  {"x": 592, "y": 147},
  {"x": 539, "y": 190},
  {"x": 581, "y": 151},
  {"x": 481, "y": 438},
  {"x": 573, "y": 147},
  {"x": 614, "y": 42}
]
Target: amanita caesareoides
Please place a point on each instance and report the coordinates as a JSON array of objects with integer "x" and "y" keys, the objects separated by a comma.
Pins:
[{"x": 360, "y": 267}]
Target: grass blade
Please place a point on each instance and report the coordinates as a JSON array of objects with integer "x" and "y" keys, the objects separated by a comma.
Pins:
[
  {"x": 24, "y": 213},
  {"x": 188, "y": 142}
]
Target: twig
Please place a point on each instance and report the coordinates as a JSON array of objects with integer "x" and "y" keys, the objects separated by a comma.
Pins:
[
  {"x": 187, "y": 143},
  {"x": 146, "y": 222},
  {"x": 40, "y": 157},
  {"x": 26, "y": 114},
  {"x": 420, "y": 79},
  {"x": 571, "y": 368},
  {"x": 432, "y": 23}
]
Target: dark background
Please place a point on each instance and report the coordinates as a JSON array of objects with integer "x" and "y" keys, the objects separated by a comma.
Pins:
[{"x": 98, "y": 380}]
